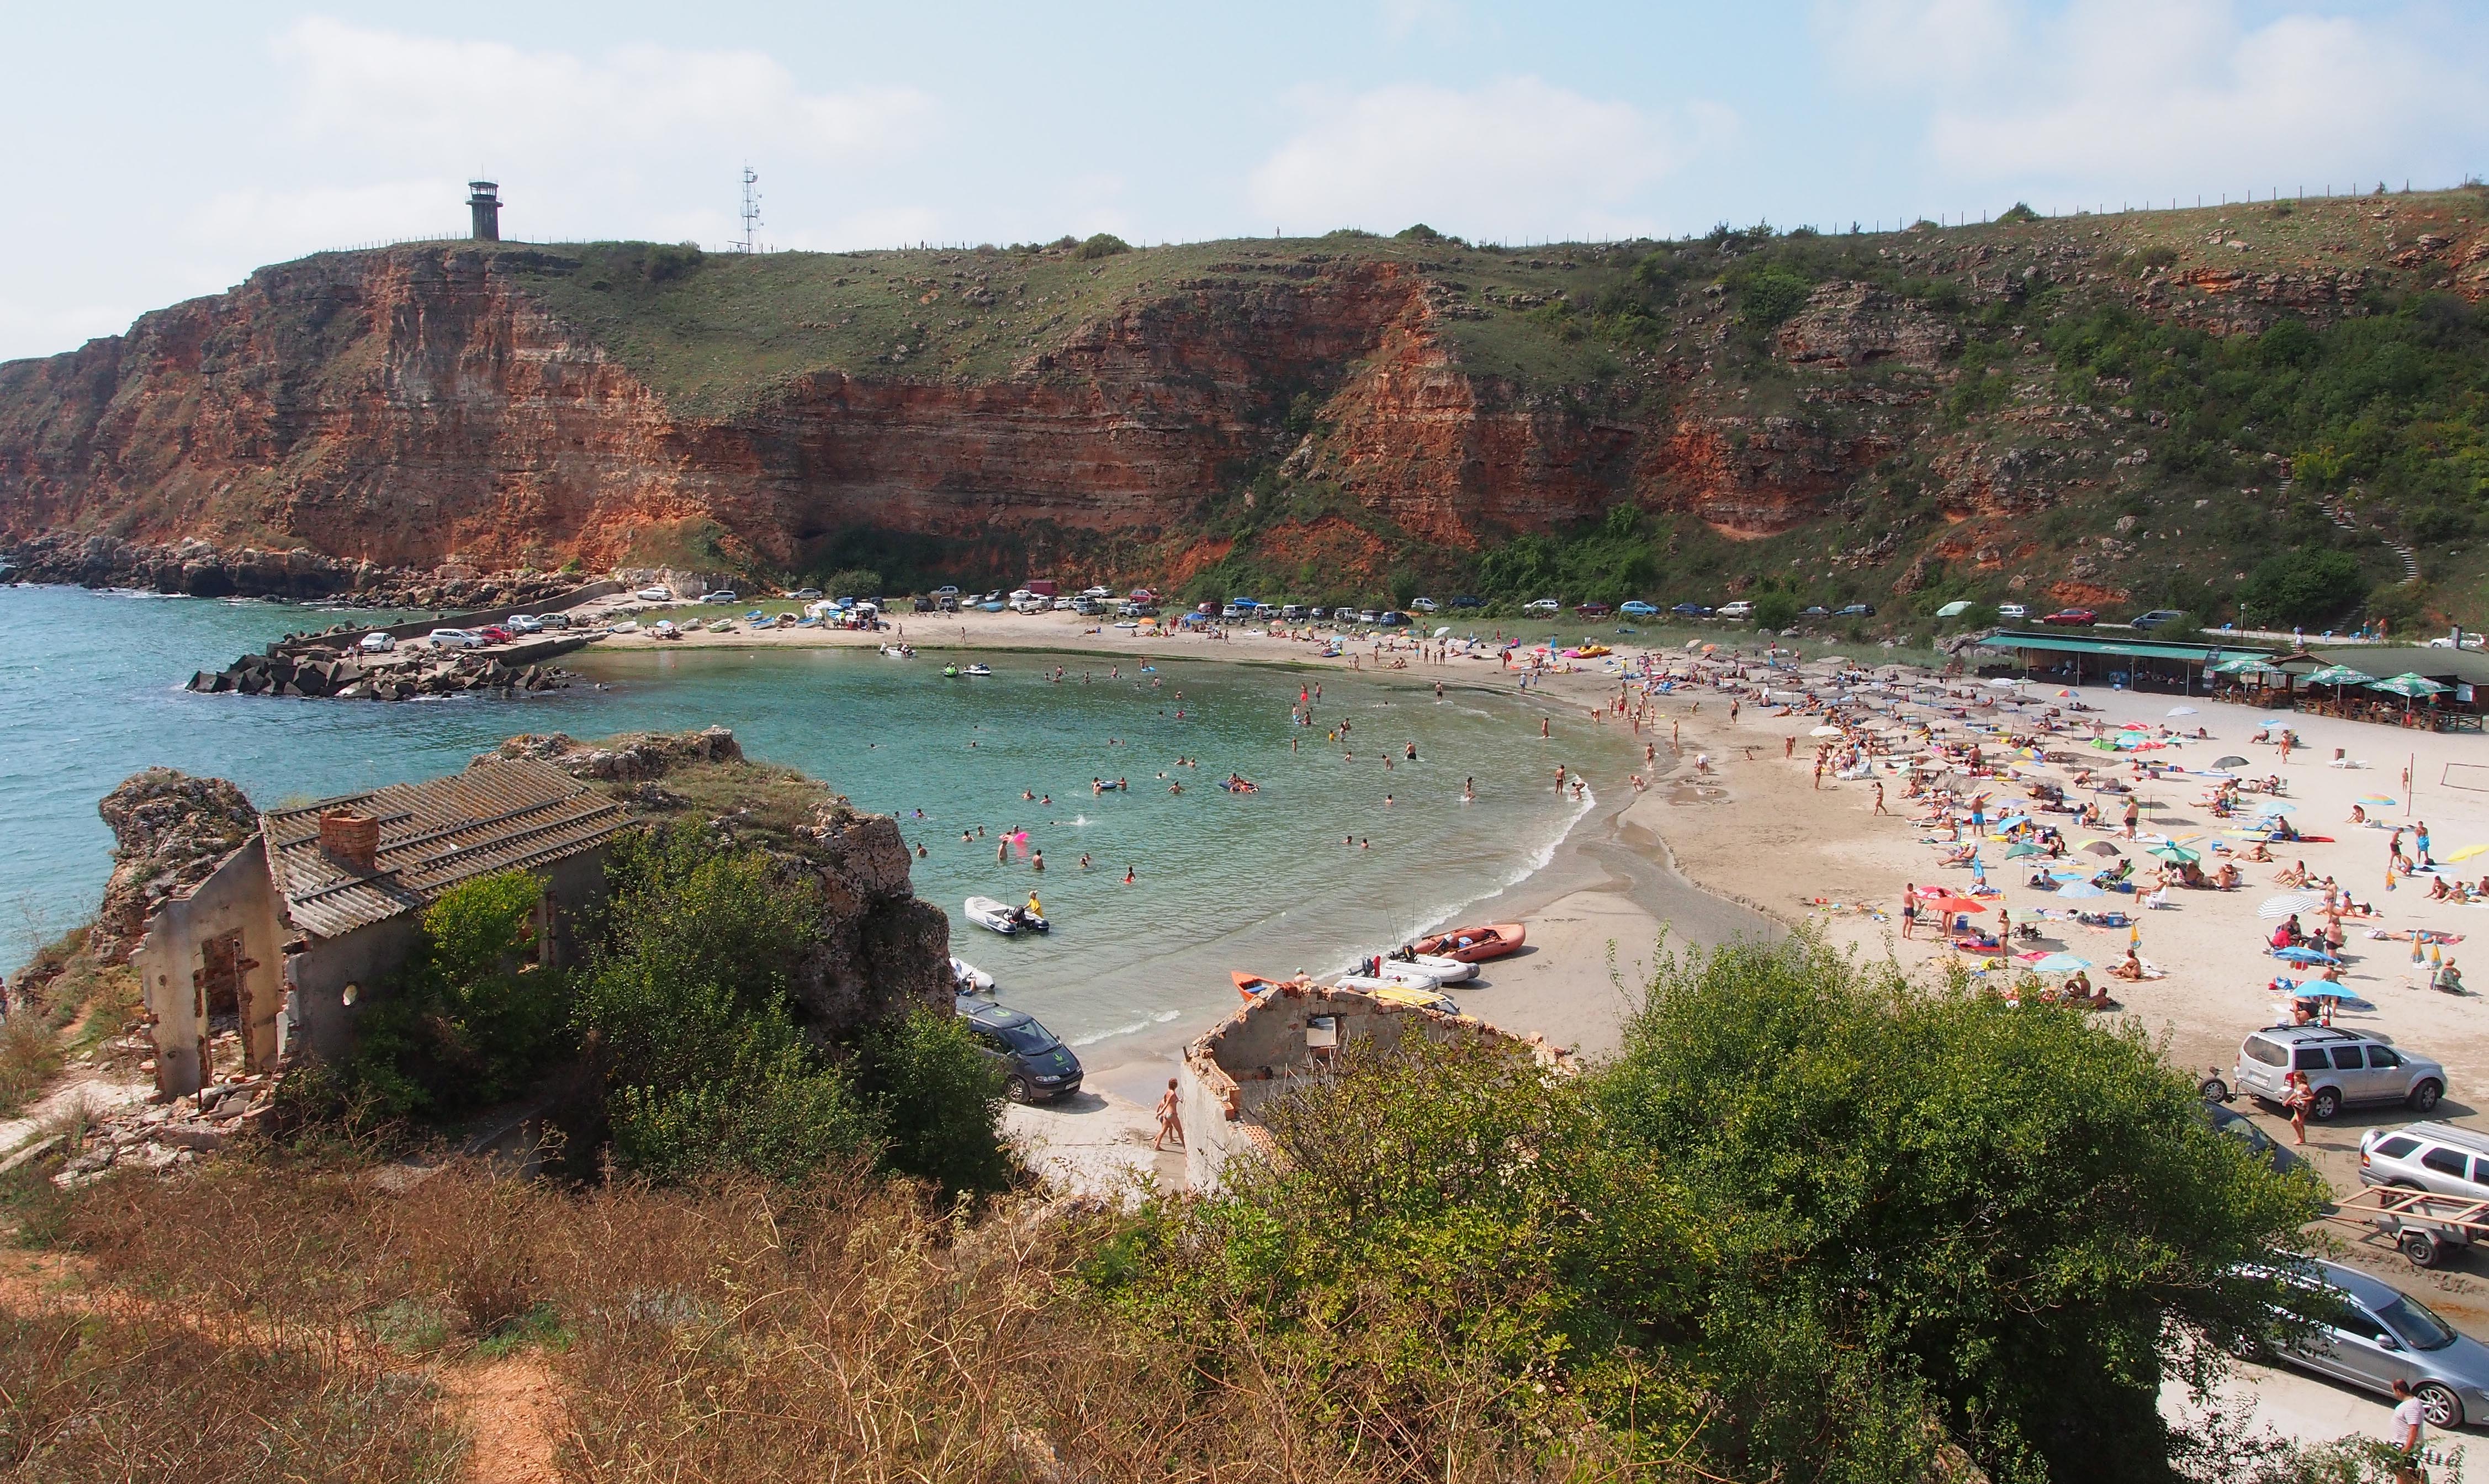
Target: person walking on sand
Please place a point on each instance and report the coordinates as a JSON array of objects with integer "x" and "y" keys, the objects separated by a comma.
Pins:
[
  {"x": 1880, "y": 799},
  {"x": 1789, "y": 745},
  {"x": 2297, "y": 1099},
  {"x": 1170, "y": 1117},
  {"x": 2404, "y": 1434}
]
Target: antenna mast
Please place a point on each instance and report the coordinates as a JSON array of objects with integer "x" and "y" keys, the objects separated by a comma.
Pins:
[{"x": 751, "y": 208}]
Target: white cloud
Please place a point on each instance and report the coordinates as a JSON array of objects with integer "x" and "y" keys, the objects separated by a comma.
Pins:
[
  {"x": 2142, "y": 98},
  {"x": 1445, "y": 19},
  {"x": 1517, "y": 156},
  {"x": 402, "y": 94}
]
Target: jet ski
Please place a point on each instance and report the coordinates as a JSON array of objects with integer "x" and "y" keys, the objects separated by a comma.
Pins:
[{"x": 980, "y": 670}]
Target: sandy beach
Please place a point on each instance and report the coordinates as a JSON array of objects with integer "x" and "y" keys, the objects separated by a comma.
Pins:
[{"x": 1749, "y": 846}]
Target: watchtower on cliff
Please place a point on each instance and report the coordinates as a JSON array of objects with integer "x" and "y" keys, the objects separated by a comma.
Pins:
[{"x": 484, "y": 205}]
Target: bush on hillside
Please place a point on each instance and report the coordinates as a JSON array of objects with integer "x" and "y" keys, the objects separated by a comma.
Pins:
[
  {"x": 1102, "y": 244},
  {"x": 1809, "y": 1223},
  {"x": 1775, "y": 610},
  {"x": 853, "y": 582},
  {"x": 2019, "y": 212},
  {"x": 936, "y": 1100},
  {"x": 2303, "y": 589}
]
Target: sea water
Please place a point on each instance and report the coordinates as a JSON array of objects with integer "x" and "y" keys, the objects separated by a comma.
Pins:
[{"x": 1334, "y": 855}]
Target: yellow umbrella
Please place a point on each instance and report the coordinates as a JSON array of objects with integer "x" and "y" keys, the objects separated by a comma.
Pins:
[{"x": 2464, "y": 854}]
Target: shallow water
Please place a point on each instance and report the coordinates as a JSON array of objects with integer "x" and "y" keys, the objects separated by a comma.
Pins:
[{"x": 90, "y": 693}]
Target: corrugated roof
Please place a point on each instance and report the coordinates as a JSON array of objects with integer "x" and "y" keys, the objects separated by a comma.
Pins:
[
  {"x": 503, "y": 815},
  {"x": 2124, "y": 648}
]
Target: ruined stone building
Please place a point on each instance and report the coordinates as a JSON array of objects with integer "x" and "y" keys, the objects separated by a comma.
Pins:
[
  {"x": 1277, "y": 1041},
  {"x": 291, "y": 930}
]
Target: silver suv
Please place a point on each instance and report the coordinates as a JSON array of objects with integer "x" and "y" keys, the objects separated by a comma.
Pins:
[
  {"x": 2427, "y": 1157},
  {"x": 2342, "y": 1067}
]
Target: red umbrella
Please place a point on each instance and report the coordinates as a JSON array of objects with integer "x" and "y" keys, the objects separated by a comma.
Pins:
[{"x": 1952, "y": 904}]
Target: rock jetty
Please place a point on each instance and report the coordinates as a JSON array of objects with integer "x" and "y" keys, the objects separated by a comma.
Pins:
[{"x": 385, "y": 677}]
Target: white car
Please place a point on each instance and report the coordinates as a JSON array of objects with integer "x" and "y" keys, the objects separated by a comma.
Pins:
[
  {"x": 1543, "y": 606},
  {"x": 1097, "y": 593},
  {"x": 377, "y": 643},
  {"x": 2012, "y": 610},
  {"x": 525, "y": 624},
  {"x": 656, "y": 595},
  {"x": 1742, "y": 609},
  {"x": 455, "y": 639}
]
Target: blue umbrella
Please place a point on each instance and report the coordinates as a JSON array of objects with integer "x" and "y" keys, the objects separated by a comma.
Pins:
[
  {"x": 2299, "y": 955},
  {"x": 2057, "y": 964},
  {"x": 2321, "y": 990},
  {"x": 2081, "y": 889},
  {"x": 2268, "y": 810}
]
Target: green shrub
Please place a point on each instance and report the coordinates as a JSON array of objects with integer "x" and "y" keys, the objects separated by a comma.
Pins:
[
  {"x": 937, "y": 1101},
  {"x": 2019, "y": 212},
  {"x": 1775, "y": 610},
  {"x": 1103, "y": 244},
  {"x": 1769, "y": 296},
  {"x": 2306, "y": 588},
  {"x": 853, "y": 582}
]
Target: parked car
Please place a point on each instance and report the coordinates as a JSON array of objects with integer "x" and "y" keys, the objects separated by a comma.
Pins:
[
  {"x": 1593, "y": 610},
  {"x": 722, "y": 595},
  {"x": 1467, "y": 601},
  {"x": 1390, "y": 619},
  {"x": 495, "y": 634},
  {"x": 2342, "y": 1066},
  {"x": 1855, "y": 610},
  {"x": 1742, "y": 609},
  {"x": 526, "y": 623},
  {"x": 1368, "y": 618},
  {"x": 924, "y": 604},
  {"x": 2427, "y": 1157},
  {"x": 553, "y": 620},
  {"x": 2232, "y": 1124},
  {"x": 1814, "y": 611},
  {"x": 1097, "y": 593},
  {"x": 946, "y": 592},
  {"x": 1037, "y": 1066},
  {"x": 377, "y": 643},
  {"x": 2157, "y": 617},
  {"x": 2013, "y": 611},
  {"x": 2071, "y": 616},
  {"x": 1691, "y": 610},
  {"x": 454, "y": 639},
  {"x": 804, "y": 594},
  {"x": 1544, "y": 606},
  {"x": 1423, "y": 604},
  {"x": 1292, "y": 612},
  {"x": 2371, "y": 1334},
  {"x": 656, "y": 595},
  {"x": 1636, "y": 607}
]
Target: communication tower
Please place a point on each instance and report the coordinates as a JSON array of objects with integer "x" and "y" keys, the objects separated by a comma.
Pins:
[{"x": 751, "y": 208}]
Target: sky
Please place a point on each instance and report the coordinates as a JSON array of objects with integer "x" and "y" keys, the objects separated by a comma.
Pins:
[{"x": 159, "y": 152}]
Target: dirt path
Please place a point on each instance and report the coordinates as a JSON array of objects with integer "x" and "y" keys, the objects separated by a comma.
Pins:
[{"x": 511, "y": 1406}]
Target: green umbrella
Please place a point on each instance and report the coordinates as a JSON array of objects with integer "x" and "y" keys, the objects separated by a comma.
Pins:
[
  {"x": 2177, "y": 854},
  {"x": 2411, "y": 686},
  {"x": 2022, "y": 848}
]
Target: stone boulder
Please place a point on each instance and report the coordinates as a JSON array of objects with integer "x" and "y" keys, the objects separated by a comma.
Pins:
[{"x": 632, "y": 758}]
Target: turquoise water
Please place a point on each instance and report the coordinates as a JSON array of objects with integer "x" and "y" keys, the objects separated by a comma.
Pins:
[{"x": 90, "y": 693}]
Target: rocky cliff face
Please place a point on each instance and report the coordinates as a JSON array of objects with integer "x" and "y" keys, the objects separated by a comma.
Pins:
[{"x": 343, "y": 423}]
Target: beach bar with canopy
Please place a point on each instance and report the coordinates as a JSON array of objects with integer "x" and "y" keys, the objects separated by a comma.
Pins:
[
  {"x": 2400, "y": 685},
  {"x": 2137, "y": 663}
]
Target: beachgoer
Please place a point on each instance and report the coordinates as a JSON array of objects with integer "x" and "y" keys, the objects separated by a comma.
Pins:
[
  {"x": 1036, "y": 860},
  {"x": 1909, "y": 908},
  {"x": 1084, "y": 860},
  {"x": 2409, "y": 1426},
  {"x": 2297, "y": 1099},
  {"x": 1170, "y": 1117},
  {"x": 1129, "y": 877}
]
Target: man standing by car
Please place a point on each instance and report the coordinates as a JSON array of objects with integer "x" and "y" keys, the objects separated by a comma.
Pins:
[{"x": 2409, "y": 1427}]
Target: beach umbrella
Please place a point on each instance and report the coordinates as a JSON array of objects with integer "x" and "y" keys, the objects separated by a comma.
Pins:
[
  {"x": 2320, "y": 990},
  {"x": 2057, "y": 964},
  {"x": 2464, "y": 854},
  {"x": 2001, "y": 683},
  {"x": 2376, "y": 801},
  {"x": 2023, "y": 849},
  {"x": 2276, "y": 809},
  {"x": 2081, "y": 889},
  {"x": 2102, "y": 848},
  {"x": 2182, "y": 710},
  {"x": 2233, "y": 760},
  {"x": 2274, "y": 908},
  {"x": 2410, "y": 685},
  {"x": 2177, "y": 854},
  {"x": 1446, "y": 629},
  {"x": 1948, "y": 905},
  {"x": 2302, "y": 955},
  {"x": 1826, "y": 731}
]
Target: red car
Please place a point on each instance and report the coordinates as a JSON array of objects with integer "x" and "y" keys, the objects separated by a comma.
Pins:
[
  {"x": 495, "y": 634},
  {"x": 1593, "y": 609},
  {"x": 2072, "y": 616}
]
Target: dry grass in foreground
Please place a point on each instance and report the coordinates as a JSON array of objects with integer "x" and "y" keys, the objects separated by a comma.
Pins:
[{"x": 852, "y": 1330}]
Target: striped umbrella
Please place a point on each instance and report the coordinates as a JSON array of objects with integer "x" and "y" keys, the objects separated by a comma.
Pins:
[{"x": 2275, "y": 908}]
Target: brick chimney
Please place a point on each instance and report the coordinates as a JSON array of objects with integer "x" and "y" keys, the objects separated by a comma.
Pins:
[{"x": 351, "y": 839}]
